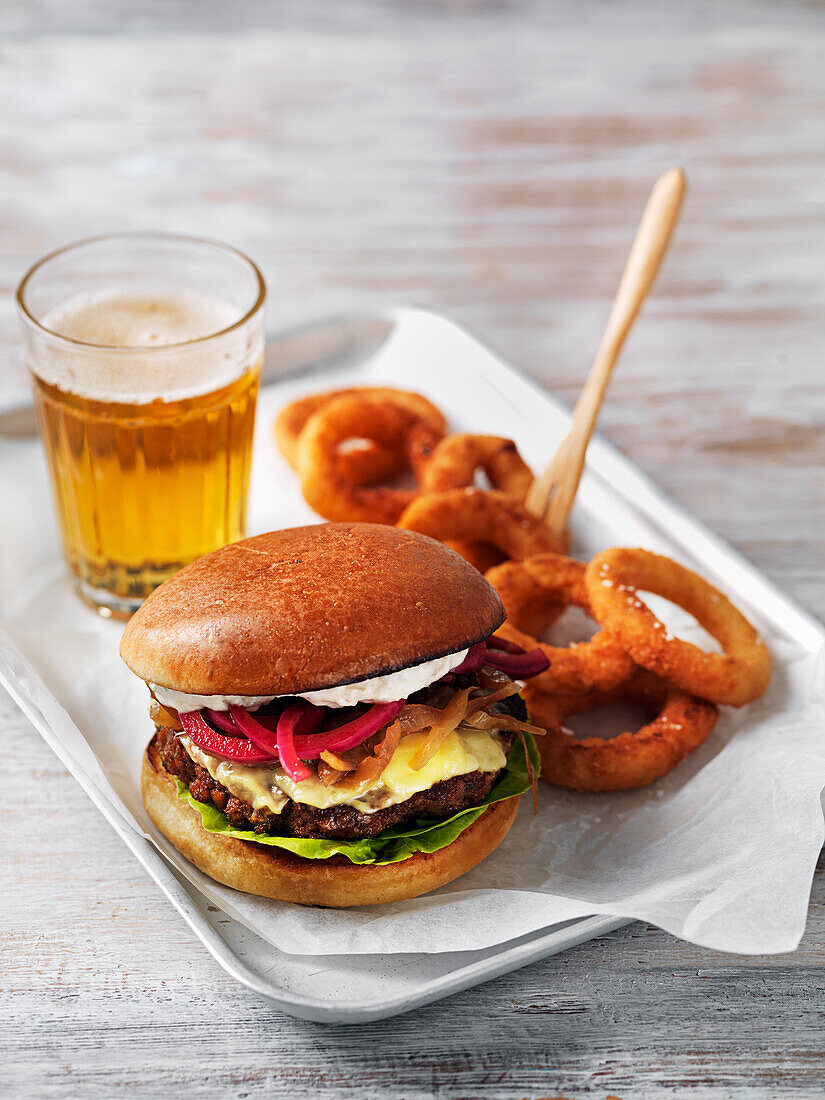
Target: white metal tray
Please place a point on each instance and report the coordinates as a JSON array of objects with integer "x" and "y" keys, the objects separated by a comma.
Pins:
[{"x": 356, "y": 988}]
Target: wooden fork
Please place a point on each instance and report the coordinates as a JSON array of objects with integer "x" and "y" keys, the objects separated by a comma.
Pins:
[{"x": 552, "y": 494}]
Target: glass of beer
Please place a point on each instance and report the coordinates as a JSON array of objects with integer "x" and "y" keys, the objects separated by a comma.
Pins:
[{"x": 145, "y": 353}]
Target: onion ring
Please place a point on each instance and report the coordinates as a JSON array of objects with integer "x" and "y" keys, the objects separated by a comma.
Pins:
[
  {"x": 454, "y": 462},
  {"x": 453, "y": 465},
  {"x": 371, "y": 462},
  {"x": 737, "y": 676},
  {"x": 479, "y": 515},
  {"x": 327, "y": 489},
  {"x": 681, "y": 724},
  {"x": 533, "y": 591},
  {"x": 368, "y": 462},
  {"x": 531, "y": 606},
  {"x": 481, "y": 555}
]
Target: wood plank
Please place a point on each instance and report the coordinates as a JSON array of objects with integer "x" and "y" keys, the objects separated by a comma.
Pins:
[{"x": 490, "y": 161}]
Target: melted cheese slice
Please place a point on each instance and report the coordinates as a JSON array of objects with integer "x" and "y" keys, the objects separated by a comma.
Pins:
[{"x": 269, "y": 787}]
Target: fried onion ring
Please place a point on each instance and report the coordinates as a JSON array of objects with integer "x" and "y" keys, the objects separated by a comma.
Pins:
[
  {"x": 453, "y": 465},
  {"x": 327, "y": 488},
  {"x": 456, "y": 459},
  {"x": 479, "y": 515},
  {"x": 372, "y": 461},
  {"x": 532, "y": 607},
  {"x": 533, "y": 591},
  {"x": 481, "y": 555},
  {"x": 681, "y": 724},
  {"x": 737, "y": 676},
  {"x": 367, "y": 462}
]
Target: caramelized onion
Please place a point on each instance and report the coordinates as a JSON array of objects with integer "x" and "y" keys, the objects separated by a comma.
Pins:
[
  {"x": 483, "y": 720},
  {"x": 448, "y": 720},
  {"x": 338, "y": 763},
  {"x": 492, "y": 678},
  {"x": 328, "y": 775},
  {"x": 416, "y": 717},
  {"x": 480, "y": 702},
  {"x": 163, "y": 717},
  {"x": 372, "y": 767}
]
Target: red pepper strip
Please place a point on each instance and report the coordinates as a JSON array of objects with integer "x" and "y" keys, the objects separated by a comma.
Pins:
[
  {"x": 349, "y": 735},
  {"x": 233, "y": 748},
  {"x": 287, "y": 724},
  {"x": 519, "y": 665},
  {"x": 223, "y": 720},
  {"x": 473, "y": 660}
]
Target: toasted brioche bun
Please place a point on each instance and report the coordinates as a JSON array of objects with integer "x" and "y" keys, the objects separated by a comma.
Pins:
[
  {"x": 272, "y": 873},
  {"x": 307, "y": 608}
]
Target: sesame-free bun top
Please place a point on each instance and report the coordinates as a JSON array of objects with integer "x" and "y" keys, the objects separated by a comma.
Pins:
[{"x": 308, "y": 608}]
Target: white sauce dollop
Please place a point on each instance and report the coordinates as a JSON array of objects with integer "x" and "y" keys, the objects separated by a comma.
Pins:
[{"x": 378, "y": 689}]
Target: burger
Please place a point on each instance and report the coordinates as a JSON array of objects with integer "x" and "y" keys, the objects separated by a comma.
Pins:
[{"x": 334, "y": 724}]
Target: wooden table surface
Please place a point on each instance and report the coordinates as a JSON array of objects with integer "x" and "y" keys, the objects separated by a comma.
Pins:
[{"x": 490, "y": 160}]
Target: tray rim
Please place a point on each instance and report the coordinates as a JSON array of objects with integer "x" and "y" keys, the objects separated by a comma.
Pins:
[{"x": 603, "y": 460}]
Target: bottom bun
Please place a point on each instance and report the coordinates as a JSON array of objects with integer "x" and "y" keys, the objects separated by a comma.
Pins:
[{"x": 273, "y": 873}]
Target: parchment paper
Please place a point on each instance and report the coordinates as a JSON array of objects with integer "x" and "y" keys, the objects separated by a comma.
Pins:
[{"x": 720, "y": 853}]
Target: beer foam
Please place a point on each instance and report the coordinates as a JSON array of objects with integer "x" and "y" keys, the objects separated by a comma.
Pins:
[{"x": 160, "y": 319}]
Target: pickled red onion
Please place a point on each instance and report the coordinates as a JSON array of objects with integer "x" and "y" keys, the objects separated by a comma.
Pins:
[
  {"x": 287, "y": 724},
  {"x": 504, "y": 644},
  {"x": 263, "y": 731},
  {"x": 233, "y": 748},
  {"x": 506, "y": 656},
  {"x": 351, "y": 734},
  {"x": 223, "y": 721},
  {"x": 522, "y": 665},
  {"x": 311, "y": 719},
  {"x": 309, "y": 745},
  {"x": 473, "y": 660}
]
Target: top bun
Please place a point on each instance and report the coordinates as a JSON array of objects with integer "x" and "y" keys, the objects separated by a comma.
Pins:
[{"x": 308, "y": 608}]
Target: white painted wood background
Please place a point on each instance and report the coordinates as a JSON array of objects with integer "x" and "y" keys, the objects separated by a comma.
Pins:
[{"x": 491, "y": 160}]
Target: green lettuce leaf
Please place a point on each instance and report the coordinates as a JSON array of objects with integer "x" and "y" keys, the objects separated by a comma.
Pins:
[{"x": 394, "y": 844}]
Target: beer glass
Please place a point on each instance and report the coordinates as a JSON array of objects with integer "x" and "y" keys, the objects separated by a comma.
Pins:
[{"x": 145, "y": 353}]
